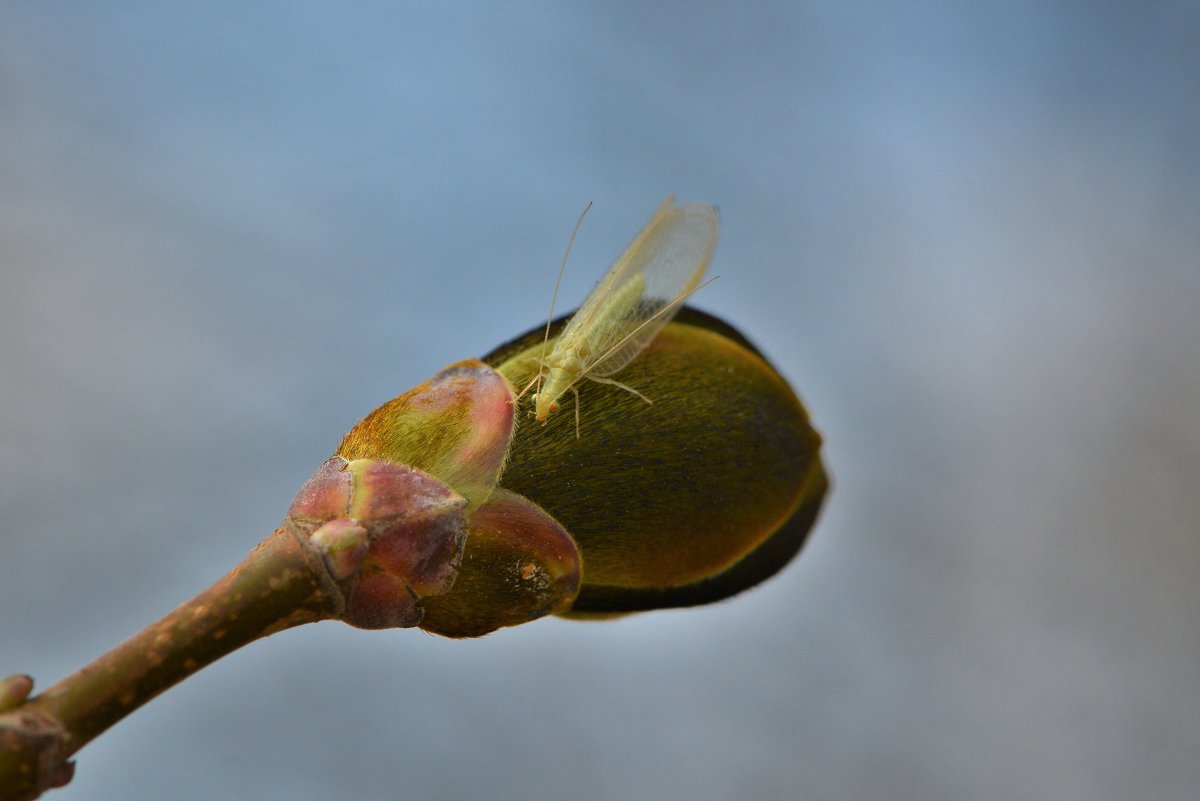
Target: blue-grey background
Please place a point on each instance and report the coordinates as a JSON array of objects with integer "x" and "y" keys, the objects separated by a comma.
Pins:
[{"x": 968, "y": 233}]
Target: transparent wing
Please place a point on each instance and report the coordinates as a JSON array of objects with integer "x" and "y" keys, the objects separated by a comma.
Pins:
[{"x": 644, "y": 289}]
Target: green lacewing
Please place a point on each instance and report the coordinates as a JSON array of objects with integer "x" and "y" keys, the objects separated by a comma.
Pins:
[{"x": 639, "y": 295}]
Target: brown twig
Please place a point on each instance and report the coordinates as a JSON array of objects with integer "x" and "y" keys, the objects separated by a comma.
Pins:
[{"x": 282, "y": 583}]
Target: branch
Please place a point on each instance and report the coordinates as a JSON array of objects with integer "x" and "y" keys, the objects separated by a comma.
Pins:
[{"x": 282, "y": 583}]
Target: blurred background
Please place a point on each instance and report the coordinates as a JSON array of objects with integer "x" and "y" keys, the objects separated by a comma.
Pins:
[{"x": 967, "y": 233}]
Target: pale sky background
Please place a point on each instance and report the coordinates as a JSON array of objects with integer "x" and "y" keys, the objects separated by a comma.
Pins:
[{"x": 967, "y": 232}]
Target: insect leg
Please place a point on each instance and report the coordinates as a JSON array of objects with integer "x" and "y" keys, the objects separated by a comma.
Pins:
[
  {"x": 576, "y": 393},
  {"x": 625, "y": 387},
  {"x": 532, "y": 381},
  {"x": 540, "y": 362}
]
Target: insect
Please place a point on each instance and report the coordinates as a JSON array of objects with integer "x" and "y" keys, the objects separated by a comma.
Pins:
[{"x": 639, "y": 295}]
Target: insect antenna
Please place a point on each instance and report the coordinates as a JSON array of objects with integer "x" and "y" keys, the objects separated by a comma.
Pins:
[{"x": 554, "y": 299}]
